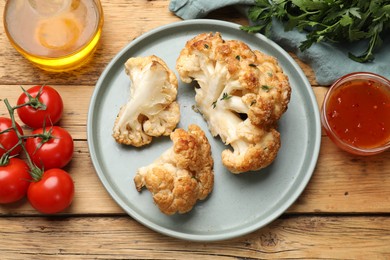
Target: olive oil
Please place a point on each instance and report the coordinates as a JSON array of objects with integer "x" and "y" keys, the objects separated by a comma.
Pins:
[{"x": 56, "y": 35}]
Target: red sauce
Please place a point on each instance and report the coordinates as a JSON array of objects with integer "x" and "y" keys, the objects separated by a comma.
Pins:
[{"x": 359, "y": 113}]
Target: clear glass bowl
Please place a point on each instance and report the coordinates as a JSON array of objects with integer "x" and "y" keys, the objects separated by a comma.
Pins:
[{"x": 336, "y": 132}]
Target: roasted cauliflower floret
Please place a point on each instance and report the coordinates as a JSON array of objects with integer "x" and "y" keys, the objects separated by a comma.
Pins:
[
  {"x": 181, "y": 175},
  {"x": 242, "y": 94},
  {"x": 151, "y": 109}
]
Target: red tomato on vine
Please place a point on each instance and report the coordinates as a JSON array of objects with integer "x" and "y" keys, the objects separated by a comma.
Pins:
[
  {"x": 53, "y": 192},
  {"x": 14, "y": 180},
  {"x": 53, "y": 149},
  {"x": 8, "y": 137},
  {"x": 45, "y": 106}
]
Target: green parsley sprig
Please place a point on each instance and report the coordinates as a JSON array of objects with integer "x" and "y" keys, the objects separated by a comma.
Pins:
[{"x": 327, "y": 20}]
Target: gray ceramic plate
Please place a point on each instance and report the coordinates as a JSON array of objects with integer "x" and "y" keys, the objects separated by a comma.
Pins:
[{"x": 239, "y": 204}]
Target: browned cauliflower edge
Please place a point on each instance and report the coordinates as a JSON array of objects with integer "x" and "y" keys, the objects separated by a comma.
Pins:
[
  {"x": 182, "y": 175},
  {"x": 151, "y": 109},
  {"x": 242, "y": 94}
]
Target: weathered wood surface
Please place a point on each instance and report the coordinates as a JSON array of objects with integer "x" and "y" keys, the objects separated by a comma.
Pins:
[
  {"x": 342, "y": 214},
  {"x": 296, "y": 237}
]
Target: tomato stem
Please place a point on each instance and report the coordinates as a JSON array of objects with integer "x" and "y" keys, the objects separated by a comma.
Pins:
[
  {"x": 6, "y": 130},
  {"x": 36, "y": 172},
  {"x": 33, "y": 101},
  {"x": 4, "y": 159}
]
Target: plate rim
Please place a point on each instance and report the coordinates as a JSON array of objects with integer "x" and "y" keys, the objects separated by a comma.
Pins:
[{"x": 200, "y": 237}]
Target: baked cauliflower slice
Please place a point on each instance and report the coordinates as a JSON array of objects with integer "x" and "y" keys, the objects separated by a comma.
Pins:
[
  {"x": 151, "y": 110},
  {"x": 182, "y": 175},
  {"x": 241, "y": 93}
]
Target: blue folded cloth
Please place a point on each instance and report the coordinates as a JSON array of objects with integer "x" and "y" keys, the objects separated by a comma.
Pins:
[{"x": 328, "y": 61}]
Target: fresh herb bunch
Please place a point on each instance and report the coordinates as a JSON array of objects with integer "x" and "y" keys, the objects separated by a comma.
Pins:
[{"x": 326, "y": 20}]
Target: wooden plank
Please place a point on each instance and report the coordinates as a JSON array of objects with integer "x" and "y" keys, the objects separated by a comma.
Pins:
[
  {"x": 347, "y": 183},
  {"x": 314, "y": 237},
  {"x": 131, "y": 18}
]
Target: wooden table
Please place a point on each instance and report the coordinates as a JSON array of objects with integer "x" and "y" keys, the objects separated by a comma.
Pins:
[{"x": 343, "y": 213}]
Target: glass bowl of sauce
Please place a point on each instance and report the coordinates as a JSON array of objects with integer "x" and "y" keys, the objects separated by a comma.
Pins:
[
  {"x": 55, "y": 35},
  {"x": 356, "y": 113}
]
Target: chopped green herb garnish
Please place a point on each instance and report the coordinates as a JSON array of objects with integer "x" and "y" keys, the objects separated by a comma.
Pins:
[
  {"x": 266, "y": 88},
  {"x": 214, "y": 104},
  {"x": 238, "y": 57},
  {"x": 225, "y": 96},
  {"x": 253, "y": 65},
  {"x": 206, "y": 46}
]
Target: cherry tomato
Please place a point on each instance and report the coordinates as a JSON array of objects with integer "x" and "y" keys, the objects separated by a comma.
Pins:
[
  {"x": 14, "y": 180},
  {"x": 55, "y": 150},
  {"x": 53, "y": 193},
  {"x": 33, "y": 115},
  {"x": 9, "y": 139}
]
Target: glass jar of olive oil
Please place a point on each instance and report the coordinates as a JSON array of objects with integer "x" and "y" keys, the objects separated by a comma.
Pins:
[{"x": 55, "y": 35}]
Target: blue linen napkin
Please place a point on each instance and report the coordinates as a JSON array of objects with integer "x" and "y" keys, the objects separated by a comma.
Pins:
[{"x": 328, "y": 61}]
